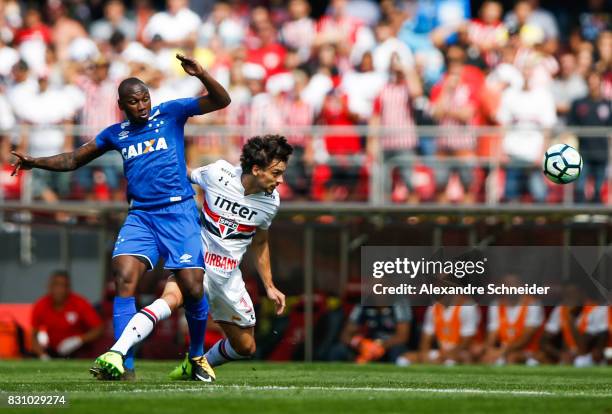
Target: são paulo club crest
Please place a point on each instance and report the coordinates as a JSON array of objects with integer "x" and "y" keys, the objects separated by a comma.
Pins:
[{"x": 227, "y": 227}]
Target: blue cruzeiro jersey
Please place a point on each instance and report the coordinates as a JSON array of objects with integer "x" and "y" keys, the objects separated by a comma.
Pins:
[{"x": 154, "y": 154}]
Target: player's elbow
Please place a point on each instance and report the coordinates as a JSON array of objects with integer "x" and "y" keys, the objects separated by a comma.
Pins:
[
  {"x": 72, "y": 163},
  {"x": 224, "y": 101}
]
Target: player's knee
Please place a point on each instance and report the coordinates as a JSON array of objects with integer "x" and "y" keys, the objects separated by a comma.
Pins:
[
  {"x": 245, "y": 347},
  {"x": 173, "y": 300},
  {"x": 125, "y": 281},
  {"x": 195, "y": 291}
]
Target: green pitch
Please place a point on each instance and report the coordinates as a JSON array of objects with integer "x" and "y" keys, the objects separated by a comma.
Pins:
[{"x": 315, "y": 388}]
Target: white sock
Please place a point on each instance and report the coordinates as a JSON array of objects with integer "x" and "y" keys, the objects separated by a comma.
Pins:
[
  {"x": 222, "y": 352},
  {"x": 141, "y": 325}
]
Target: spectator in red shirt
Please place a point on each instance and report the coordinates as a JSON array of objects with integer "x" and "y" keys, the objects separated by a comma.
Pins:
[
  {"x": 34, "y": 29},
  {"x": 270, "y": 54},
  {"x": 62, "y": 321},
  {"x": 341, "y": 176},
  {"x": 336, "y": 112},
  {"x": 10, "y": 185}
]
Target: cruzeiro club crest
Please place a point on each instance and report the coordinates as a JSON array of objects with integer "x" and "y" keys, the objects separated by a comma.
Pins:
[{"x": 227, "y": 227}]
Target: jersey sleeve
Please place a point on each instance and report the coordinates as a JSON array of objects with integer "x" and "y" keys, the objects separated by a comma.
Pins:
[
  {"x": 104, "y": 141},
  {"x": 198, "y": 176},
  {"x": 267, "y": 224},
  {"x": 184, "y": 108}
]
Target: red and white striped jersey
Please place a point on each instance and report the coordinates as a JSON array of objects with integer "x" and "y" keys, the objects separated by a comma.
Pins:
[
  {"x": 299, "y": 34},
  {"x": 100, "y": 108},
  {"x": 346, "y": 27},
  {"x": 297, "y": 113},
  {"x": 488, "y": 37},
  {"x": 267, "y": 113},
  {"x": 488, "y": 34},
  {"x": 230, "y": 219},
  {"x": 393, "y": 107},
  {"x": 457, "y": 136}
]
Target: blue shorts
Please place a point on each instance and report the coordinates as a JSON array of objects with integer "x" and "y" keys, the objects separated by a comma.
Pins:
[{"x": 171, "y": 232}]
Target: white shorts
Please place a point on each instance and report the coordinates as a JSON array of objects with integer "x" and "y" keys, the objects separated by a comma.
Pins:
[{"x": 228, "y": 299}]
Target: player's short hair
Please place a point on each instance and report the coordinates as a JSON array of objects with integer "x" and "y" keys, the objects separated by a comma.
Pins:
[
  {"x": 127, "y": 84},
  {"x": 262, "y": 150}
]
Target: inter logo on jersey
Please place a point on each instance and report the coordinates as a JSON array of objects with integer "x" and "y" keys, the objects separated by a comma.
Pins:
[
  {"x": 235, "y": 208},
  {"x": 145, "y": 147}
]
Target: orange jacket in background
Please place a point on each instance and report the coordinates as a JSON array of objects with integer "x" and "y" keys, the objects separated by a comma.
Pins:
[
  {"x": 448, "y": 332},
  {"x": 566, "y": 328},
  {"x": 509, "y": 332}
]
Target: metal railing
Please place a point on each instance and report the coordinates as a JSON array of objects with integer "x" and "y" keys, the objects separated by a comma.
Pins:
[{"x": 216, "y": 141}]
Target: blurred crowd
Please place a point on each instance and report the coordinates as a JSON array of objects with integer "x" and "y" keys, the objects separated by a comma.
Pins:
[
  {"x": 453, "y": 330},
  {"x": 388, "y": 65}
]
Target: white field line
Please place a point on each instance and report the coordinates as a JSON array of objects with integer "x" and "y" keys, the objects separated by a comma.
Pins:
[{"x": 211, "y": 388}]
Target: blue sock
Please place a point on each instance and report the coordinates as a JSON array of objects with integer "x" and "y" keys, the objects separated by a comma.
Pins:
[
  {"x": 123, "y": 310},
  {"x": 197, "y": 316}
]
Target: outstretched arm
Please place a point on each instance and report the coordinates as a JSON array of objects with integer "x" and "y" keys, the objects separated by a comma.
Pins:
[
  {"x": 67, "y": 161},
  {"x": 217, "y": 97},
  {"x": 262, "y": 264}
]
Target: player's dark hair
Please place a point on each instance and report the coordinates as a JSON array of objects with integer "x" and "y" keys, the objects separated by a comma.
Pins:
[
  {"x": 262, "y": 150},
  {"x": 61, "y": 273},
  {"x": 126, "y": 86}
]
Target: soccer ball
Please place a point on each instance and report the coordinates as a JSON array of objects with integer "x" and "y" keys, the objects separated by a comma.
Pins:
[{"x": 562, "y": 164}]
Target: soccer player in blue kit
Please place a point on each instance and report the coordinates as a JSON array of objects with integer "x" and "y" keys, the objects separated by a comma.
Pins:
[{"x": 163, "y": 217}]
